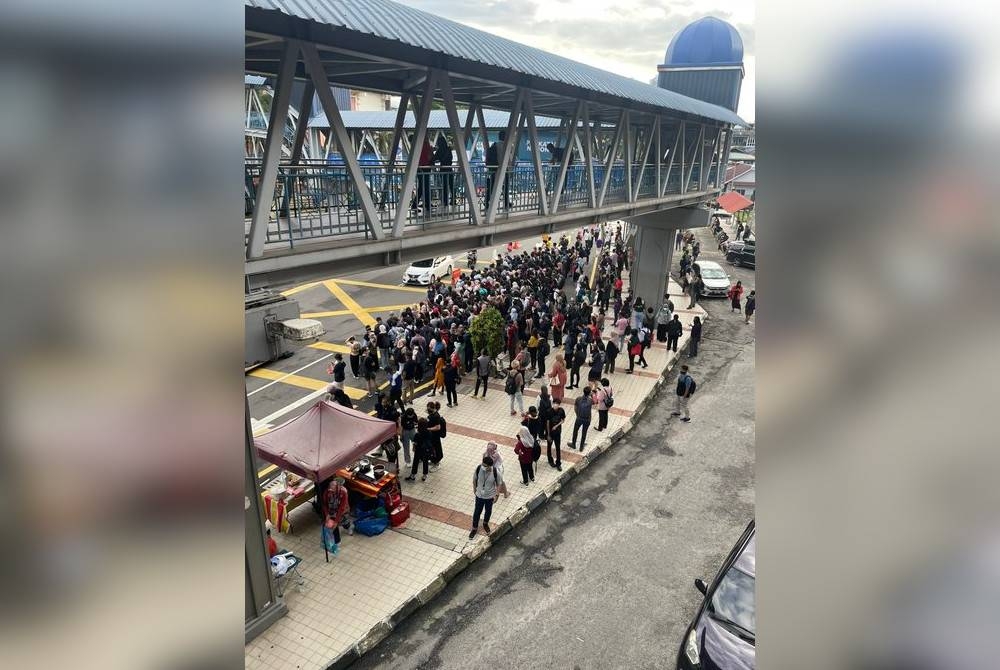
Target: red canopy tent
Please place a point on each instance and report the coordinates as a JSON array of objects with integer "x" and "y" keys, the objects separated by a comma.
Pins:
[
  {"x": 733, "y": 202},
  {"x": 327, "y": 437}
]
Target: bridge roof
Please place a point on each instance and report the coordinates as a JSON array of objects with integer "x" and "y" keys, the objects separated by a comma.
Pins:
[
  {"x": 438, "y": 120},
  {"x": 402, "y": 34}
]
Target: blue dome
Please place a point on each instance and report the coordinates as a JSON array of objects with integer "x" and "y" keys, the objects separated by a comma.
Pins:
[{"x": 707, "y": 41}]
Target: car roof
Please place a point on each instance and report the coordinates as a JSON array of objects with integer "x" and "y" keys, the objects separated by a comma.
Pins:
[
  {"x": 709, "y": 264},
  {"x": 747, "y": 560}
]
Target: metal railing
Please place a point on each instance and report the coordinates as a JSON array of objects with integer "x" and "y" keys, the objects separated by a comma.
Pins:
[{"x": 317, "y": 199}]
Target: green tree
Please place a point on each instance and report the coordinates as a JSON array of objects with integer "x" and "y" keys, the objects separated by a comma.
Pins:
[{"x": 487, "y": 332}]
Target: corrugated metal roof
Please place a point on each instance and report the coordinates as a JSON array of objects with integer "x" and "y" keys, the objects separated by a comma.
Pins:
[
  {"x": 393, "y": 21},
  {"x": 253, "y": 80},
  {"x": 438, "y": 120}
]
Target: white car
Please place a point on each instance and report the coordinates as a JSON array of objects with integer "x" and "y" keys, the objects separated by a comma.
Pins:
[
  {"x": 716, "y": 281},
  {"x": 425, "y": 271}
]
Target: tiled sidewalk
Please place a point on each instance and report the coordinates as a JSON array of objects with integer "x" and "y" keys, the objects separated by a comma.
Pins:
[{"x": 350, "y": 604}]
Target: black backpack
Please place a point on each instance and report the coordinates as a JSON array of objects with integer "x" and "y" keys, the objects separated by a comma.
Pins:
[
  {"x": 443, "y": 433},
  {"x": 510, "y": 387},
  {"x": 609, "y": 401}
]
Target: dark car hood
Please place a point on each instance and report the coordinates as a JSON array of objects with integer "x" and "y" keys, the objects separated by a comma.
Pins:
[{"x": 722, "y": 649}]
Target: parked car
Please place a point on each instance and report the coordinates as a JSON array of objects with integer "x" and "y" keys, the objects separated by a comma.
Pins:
[
  {"x": 425, "y": 271},
  {"x": 746, "y": 257},
  {"x": 723, "y": 633},
  {"x": 737, "y": 245},
  {"x": 716, "y": 281}
]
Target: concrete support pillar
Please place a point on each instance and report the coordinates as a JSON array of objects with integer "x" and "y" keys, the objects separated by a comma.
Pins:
[{"x": 654, "y": 248}]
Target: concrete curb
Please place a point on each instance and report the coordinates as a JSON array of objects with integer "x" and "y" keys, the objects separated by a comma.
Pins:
[{"x": 474, "y": 550}]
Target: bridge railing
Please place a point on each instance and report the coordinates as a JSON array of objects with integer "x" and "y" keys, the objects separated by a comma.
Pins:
[{"x": 316, "y": 199}]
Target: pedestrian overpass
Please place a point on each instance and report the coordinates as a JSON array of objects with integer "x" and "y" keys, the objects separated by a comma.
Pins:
[{"x": 638, "y": 152}]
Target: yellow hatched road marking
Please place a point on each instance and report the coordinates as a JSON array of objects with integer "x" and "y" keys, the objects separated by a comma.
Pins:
[
  {"x": 330, "y": 346},
  {"x": 388, "y": 287},
  {"x": 345, "y": 312},
  {"x": 349, "y": 302},
  {"x": 303, "y": 382},
  {"x": 299, "y": 289}
]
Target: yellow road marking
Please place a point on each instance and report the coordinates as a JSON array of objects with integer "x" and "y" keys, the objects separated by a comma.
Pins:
[
  {"x": 349, "y": 302},
  {"x": 294, "y": 380},
  {"x": 388, "y": 287},
  {"x": 345, "y": 312},
  {"x": 299, "y": 289},
  {"x": 330, "y": 346},
  {"x": 304, "y": 382},
  {"x": 320, "y": 315},
  {"x": 263, "y": 473}
]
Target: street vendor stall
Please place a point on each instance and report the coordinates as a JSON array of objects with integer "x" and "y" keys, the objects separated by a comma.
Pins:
[{"x": 327, "y": 441}]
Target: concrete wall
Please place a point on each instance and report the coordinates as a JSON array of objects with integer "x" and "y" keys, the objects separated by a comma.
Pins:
[{"x": 654, "y": 247}]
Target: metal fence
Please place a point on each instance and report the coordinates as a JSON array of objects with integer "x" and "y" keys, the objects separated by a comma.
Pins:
[{"x": 317, "y": 199}]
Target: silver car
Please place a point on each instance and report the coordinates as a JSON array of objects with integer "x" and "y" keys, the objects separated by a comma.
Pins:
[{"x": 716, "y": 282}]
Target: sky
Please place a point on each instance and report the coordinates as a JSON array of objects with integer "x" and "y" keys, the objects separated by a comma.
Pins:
[{"x": 627, "y": 37}]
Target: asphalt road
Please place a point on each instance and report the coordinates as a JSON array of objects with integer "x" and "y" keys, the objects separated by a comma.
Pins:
[{"x": 603, "y": 576}]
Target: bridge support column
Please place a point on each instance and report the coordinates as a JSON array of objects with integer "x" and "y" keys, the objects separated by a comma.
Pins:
[{"x": 654, "y": 248}]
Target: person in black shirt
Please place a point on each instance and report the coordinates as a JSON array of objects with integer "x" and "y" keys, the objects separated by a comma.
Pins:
[
  {"x": 451, "y": 384},
  {"x": 434, "y": 424},
  {"x": 408, "y": 431},
  {"x": 579, "y": 358},
  {"x": 610, "y": 354},
  {"x": 338, "y": 368},
  {"x": 422, "y": 445},
  {"x": 556, "y": 419}
]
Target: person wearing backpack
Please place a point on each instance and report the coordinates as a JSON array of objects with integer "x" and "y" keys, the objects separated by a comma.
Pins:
[
  {"x": 513, "y": 388},
  {"x": 685, "y": 389},
  {"x": 605, "y": 401},
  {"x": 487, "y": 481}
]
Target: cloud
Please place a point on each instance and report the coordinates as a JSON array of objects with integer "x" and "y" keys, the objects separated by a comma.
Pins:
[{"x": 637, "y": 35}]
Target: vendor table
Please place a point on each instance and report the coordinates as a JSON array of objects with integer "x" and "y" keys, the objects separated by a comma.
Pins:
[
  {"x": 366, "y": 487},
  {"x": 277, "y": 505}
]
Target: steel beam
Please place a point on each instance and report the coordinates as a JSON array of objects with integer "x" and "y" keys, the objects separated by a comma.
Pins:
[
  {"x": 536, "y": 154},
  {"x": 588, "y": 156},
  {"x": 705, "y": 170},
  {"x": 460, "y": 151},
  {"x": 508, "y": 149},
  {"x": 725, "y": 158},
  {"x": 670, "y": 163},
  {"x": 645, "y": 158},
  {"x": 694, "y": 154},
  {"x": 305, "y": 111},
  {"x": 629, "y": 155},
  {"x": 612, "y": 152},
  {"x": 413, "y": 160},
  {"x": 397, "y": 136},
  {"x": 684, "y": 149},
  {"x": 314, "y": 66},
  {"x": 567, "y": 154},
  {"x": 272, "y": 150},
  {"x": 659, "y": 154}
]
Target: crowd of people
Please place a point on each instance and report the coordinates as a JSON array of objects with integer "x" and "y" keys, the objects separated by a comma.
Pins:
[{"x": 554, "y": 330}]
